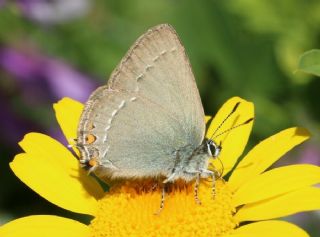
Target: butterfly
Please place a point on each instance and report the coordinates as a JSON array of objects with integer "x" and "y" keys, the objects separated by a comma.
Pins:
[{"x": 148, "y": 120}]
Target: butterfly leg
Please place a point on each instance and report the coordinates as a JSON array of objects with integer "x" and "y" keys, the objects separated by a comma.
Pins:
[
  {"x": 170, "y": 178},
  {"x": 209, "y": 173},
  {"x": 196, "y": 189},
  {"x": 163, "y": 194},
  {"x": 197, "y": 175},
  {"x": 213, "y": 186}
]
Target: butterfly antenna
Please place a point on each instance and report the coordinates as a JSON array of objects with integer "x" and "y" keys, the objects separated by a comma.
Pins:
[
  {"x": 225, "y": 119},
  {"x": 228, "y": 130}
]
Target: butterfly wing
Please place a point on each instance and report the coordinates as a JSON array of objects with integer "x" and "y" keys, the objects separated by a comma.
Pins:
[{"x": 149, "y": 109}]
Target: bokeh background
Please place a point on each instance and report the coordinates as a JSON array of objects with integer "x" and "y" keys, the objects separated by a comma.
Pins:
[{"x": 50, "y": 49}]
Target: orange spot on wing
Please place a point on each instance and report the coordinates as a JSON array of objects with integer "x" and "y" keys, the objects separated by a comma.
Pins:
[
  {"x": 93, "y": 162},
  {"x": 90, "y": 138}
]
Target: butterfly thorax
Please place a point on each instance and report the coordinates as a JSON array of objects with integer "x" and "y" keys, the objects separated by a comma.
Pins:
[{"x": 191, "y": 162}]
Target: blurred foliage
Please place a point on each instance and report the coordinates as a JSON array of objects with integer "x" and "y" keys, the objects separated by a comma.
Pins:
[
  {"x": 310, "y": 62},
  {"x": 236, "y": 47}
]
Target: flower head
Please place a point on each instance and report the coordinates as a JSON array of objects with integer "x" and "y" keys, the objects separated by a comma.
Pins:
[{"x": 250, "y": 194}]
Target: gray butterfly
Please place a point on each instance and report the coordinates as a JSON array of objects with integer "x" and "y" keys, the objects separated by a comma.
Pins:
[{"x": 148, "y": 121}]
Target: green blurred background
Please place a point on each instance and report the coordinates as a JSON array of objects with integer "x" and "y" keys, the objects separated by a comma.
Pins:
[{"x": 51, "y": 49}]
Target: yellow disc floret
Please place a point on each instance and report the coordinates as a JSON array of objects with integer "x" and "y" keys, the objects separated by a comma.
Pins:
[{"x": 130, "y": 211}]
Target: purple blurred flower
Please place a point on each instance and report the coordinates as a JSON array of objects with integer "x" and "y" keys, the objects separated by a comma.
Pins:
[
  {"x": 2, "y": 2},
  {"x": 310, "y": 154},
  {"x": 54, "y": 11},
  {"x": 45, "y": 78},
  {"x": 22, "y": 65},
  {"x": 65, "y": 81},
  {"x": 40, "y": 81}
]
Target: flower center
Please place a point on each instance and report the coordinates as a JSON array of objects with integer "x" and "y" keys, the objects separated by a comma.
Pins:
[{"x": 129, "y": 211}]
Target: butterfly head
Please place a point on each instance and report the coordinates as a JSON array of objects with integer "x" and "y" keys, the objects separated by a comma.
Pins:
[{"x": 214, "y": 149}]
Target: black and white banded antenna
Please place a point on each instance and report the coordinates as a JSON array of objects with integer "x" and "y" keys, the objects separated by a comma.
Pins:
[
  {"x": 214, "y": 149},
  {"x": 220, "y": 145},
  {"x": 225, "y": 119},
  {"x": 229, "y": 129}
]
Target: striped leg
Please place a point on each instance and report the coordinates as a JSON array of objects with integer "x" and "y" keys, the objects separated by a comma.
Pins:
[
  {"x": 163, "y": 193},
  {"x": 211, "y": 174},
  {"x": 196, "y": 189},
  {"x": 213, "y": 185}
]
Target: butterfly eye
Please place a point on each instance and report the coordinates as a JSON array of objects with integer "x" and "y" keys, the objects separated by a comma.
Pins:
[{"x": 213, "y": 148}]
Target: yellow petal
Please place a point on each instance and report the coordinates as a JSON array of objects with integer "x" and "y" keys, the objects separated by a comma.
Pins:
[
  {"x": 207, "y": 118},
  {"x": 233, "y": 142},
  {"x": 269, "y": 229},
  {"x": 68, "y": 112},
  {"x": 305, "y": 199},
  {"x": 263, "y": 155},
  {"x": 44, "y": 226},
  {"x": 52, "y": 171},
  {"x": 276, "y": 182}
]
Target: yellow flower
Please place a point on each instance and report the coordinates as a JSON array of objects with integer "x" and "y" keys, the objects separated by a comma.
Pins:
[{"x": 244, "y": 206}]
